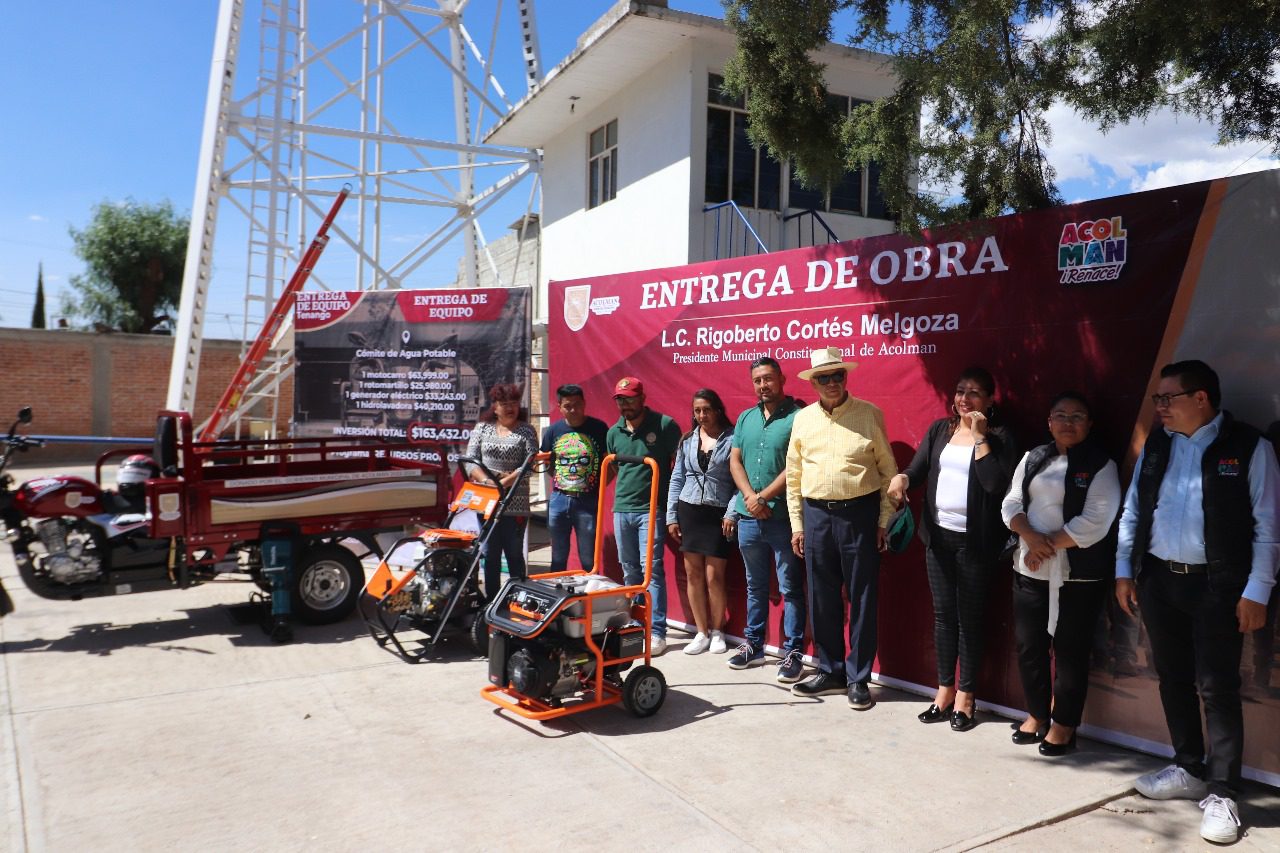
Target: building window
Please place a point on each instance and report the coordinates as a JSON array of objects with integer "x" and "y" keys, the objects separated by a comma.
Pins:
[
  {"x": 602, "y": 164},
  {"x": 736, "y": 171},
  {"x": 846, "y": 196},
  {"x": 750, "y": 177}
]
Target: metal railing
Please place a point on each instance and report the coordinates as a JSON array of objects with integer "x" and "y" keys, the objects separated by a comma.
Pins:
[
  {"x": 734, "y": 215},
  {"x": 815, "y": 219}
]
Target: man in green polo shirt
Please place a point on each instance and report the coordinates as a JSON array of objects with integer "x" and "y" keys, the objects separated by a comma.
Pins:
[
  {"x": 640, "y": 431},
  {"x": 758, "y": 462}
]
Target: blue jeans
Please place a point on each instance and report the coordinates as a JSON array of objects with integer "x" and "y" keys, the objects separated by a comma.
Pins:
[
  {"x": 507, "y": 538},
  {"x": 632, "y": 532},
  {"x": 567, "y": 515},
  {"x": 762, "y": 543}
]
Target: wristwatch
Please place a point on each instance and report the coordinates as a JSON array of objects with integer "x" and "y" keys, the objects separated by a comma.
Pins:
[{"x": 979, "y": 442}]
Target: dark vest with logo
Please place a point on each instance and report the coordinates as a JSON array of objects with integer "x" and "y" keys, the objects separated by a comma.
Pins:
[
  {"x": 1224, "y": 478},
  {"x": 1084, "y": 461}
]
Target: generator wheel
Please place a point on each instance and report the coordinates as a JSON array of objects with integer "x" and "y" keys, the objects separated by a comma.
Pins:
[
  {"x": 644, "y": 691},
  {"x": 478, "y": 634},
  {"x": 326, "y": 584}
]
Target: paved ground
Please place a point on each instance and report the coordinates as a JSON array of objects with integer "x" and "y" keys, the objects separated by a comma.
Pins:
[{"x": 155, "y": 721}]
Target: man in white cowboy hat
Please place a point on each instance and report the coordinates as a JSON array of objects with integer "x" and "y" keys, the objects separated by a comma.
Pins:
[{"x": 839, "y": 465}]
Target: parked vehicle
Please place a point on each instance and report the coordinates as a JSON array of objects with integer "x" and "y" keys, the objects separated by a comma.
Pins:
[{"x": 187, "y": 511}]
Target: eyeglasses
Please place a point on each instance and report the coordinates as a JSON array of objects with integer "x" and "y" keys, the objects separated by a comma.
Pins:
[
  {"x": 1075, "y": 419},
  {"x": 1162, "y": 401},
  {"x": 828, "y": 378}
]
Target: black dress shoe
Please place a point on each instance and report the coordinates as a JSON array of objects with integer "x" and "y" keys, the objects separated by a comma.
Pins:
[
  {"x": 934, "y": 714},
  {"x": 1022, "y": 738},
  {"x": 1053, "y": 750},
  {"x": 962, "y": 722},
  {"x": 821, "y": 684},
  {"x": 860, "y": 697}
]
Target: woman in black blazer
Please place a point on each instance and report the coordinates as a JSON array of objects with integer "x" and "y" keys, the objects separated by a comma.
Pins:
[{"x": 965, "y": 462}]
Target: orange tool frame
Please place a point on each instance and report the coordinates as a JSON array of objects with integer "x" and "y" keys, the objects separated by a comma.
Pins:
[{"x": 601, "y": 691}]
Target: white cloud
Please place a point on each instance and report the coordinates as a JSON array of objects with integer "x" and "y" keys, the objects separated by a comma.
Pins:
[
  {"x": 35, "y": 217},
  {"x": 1190, "y": 171},
  {"x": 1164, "y": 150}
]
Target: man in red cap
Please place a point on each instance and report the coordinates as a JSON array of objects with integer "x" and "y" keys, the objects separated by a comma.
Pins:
[{"x": 640, "y": 431}]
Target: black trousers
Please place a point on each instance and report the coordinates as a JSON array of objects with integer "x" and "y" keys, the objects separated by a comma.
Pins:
[
  {"x": 842, "y": 559},
  {"x": 958, "y": 581},
  {"x": 1058, "y": 697},
  {"x": 506, "y": 539},
  {"x": 1196, "y": 645}
]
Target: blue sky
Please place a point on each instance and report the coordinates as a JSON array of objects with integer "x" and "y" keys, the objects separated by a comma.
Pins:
[{"x": 108, "y": 98}]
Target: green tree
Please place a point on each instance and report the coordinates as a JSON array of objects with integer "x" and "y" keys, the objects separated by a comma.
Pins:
[
  {"x": 135, "y": 255},
  {"x": 1216, "y": 61},
  {"x": 975, "y": 80},
  {"x": 968, "y": 112},
  {"x": 37, "y": 312}
]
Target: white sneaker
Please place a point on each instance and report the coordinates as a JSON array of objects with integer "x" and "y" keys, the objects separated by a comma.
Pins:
[
  {"x": 718, "y": 645},
  {"x": 697, "y": 645},
  {"x": 1221, "y": 821},
  {"x": 657, "y": 645},
  {"x": 1171, "y": 783}
]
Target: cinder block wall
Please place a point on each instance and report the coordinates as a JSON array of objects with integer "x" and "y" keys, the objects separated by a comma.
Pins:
[{"x": 85, "y": 383}]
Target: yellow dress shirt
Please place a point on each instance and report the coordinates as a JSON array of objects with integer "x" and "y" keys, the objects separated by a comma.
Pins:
[{"x": 837, "y": 456}]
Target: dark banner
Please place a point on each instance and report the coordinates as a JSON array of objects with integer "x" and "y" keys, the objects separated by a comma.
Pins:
[
  {"x": 406, "y": 363},
  {"x": 1092, "y": 297}
]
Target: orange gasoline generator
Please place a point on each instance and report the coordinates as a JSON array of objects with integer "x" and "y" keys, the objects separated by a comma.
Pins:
[{"x": 560, "y": 643}]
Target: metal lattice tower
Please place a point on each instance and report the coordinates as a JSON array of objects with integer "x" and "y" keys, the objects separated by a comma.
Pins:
[{"x": 350, "y": 92}]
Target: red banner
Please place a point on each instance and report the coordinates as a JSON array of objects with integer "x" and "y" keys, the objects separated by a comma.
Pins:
[
  {"x": 1021, "y": 295},
  {"x": 1091, "y": 297}
]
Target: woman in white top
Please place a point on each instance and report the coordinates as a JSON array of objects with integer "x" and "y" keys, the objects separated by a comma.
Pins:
[
  {"x": 1062, "y": 504},
  {"x": 964, "y": 463}
]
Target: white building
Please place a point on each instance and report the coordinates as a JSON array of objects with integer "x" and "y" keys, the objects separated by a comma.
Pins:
[{"x": 638, "y": 142}]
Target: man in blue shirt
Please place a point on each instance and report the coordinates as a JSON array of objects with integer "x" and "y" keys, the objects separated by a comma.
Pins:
[
  {"x": 576, "y": 445},
  {"x": 1198, "y": 548},
  {"x": 758, "y": 462}
]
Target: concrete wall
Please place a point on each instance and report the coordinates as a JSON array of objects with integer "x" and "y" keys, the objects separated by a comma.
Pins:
[
  {"x": 657, "y": 220},
  {"x": 84, "y": 383},
  {"x": 516, "y": 259},
  {"x": 647, "y": 224}
]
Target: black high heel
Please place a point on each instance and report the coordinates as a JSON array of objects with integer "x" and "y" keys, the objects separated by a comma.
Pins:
[
  {"x": 1054, "y": 750},
  {"x": 934, "y": 714}
]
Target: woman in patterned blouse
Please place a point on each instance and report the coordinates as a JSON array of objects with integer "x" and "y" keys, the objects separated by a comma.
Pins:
[{"x": 503, "y": 440}]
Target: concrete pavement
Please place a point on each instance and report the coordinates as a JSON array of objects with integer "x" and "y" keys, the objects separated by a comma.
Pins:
[{"x": 155, "y": 721}]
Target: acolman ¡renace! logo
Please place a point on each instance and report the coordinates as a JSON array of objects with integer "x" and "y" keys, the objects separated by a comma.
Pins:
[{"x": 1092, "y": 250}]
